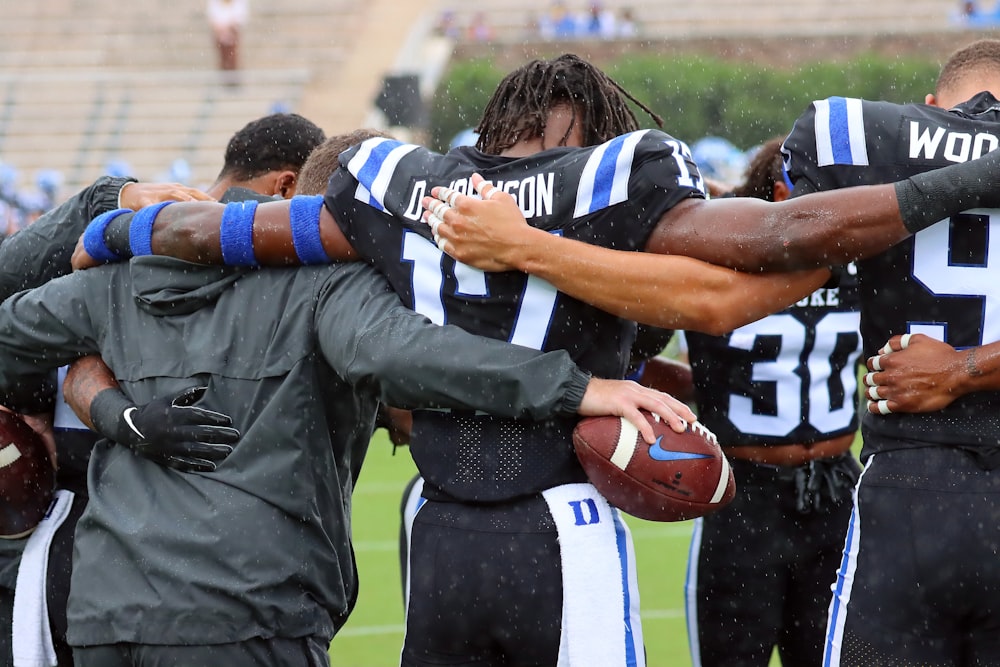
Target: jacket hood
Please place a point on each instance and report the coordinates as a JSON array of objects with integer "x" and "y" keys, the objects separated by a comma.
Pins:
[{"x": 168, "y": 286}]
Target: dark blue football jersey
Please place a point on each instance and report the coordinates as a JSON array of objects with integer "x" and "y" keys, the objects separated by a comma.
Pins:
[
  {"x": 611, "y": 195},
  {"x": 789, "y": 378},
  {"x": 939, "y": 282}
]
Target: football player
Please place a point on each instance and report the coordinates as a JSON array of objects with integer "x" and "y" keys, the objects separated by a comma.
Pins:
[
  {"x": 781, "y": 395},
  {"x": 917, "y": 583},
  {"x": 514, "y": 557}
]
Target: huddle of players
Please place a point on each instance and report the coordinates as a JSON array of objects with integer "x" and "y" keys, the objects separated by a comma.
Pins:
[{"x": 385, "y": 171}]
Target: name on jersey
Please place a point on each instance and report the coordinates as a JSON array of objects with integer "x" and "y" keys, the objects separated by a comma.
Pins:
[
  {"x": 829, "y": 297},
  {"x": 930, "y": 142},
  {"x": 534, "y": 194}
]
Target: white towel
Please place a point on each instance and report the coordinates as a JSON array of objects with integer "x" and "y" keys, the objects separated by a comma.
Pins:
[
  {"x": 32, "y": 636},
  {"x": 600, "y": 624}
]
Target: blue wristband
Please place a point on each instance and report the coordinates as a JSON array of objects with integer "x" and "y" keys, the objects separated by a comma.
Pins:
[
  {"x": 304, "y": 214},
  {"x": 93, "y": 236},
  {"x": 236, "y": 234},
  {"x": 140, "y": 231}
]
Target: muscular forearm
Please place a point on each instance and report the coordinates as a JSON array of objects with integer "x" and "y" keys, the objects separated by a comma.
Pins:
[
  {"x": 821, "y": 229},
  {"x": 86, "y": 378},
  {"x": 212, "y": 233},
  {"x": 980, "y": 369},
  {"x": 667, "y": 291}
]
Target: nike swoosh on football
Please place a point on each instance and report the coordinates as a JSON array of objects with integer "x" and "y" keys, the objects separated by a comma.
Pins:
[{"x": 657, "y": 453}]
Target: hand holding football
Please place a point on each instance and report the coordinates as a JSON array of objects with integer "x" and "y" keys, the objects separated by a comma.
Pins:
[{"x": 681, "y": 476}]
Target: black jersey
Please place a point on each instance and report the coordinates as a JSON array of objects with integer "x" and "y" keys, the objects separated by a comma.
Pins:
[
  {"x": 610, "y": 195},
  {"x": 939, "y": 282},
  {"x": 788, "y": 378}
]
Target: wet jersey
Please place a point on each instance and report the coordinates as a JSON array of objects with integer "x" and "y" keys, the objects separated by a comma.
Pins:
[
  {"x": 789, "y": 378},
  {"x": 942, "y": 282},
  {"x": 610, "y": 195}
]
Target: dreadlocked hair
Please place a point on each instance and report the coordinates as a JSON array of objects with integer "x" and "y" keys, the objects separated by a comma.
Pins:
[{"x": 521, "y": 104}]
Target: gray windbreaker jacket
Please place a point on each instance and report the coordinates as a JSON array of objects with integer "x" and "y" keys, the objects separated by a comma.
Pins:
[{"x": 298, "y": 358}]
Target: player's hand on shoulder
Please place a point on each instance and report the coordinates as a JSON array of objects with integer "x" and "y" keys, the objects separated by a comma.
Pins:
[
  {"x": 624, "y": 398},
  {"x": 488, "y": 232},
  {"x": 913, "y": 373},
  {"x": 140, "y": 195}
]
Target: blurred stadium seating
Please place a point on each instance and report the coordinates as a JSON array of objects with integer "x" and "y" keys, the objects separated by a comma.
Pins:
[{"x": 87, "y": 83}]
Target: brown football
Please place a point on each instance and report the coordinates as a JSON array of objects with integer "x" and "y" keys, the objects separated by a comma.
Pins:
[
  {"x": 27, "y": 478},
  {"x": 681, "y": 476}
]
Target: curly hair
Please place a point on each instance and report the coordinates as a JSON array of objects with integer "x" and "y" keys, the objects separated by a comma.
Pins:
[
  {"x": 322, "y": 162},
  {"x": 978, "y": 57},
  {"x": 764, "y": 170},
  {"x": 520, "y": 106},
  {"x": 275, "y": 142}
]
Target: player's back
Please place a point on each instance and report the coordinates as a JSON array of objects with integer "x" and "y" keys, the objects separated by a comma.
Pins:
[
  {"x": 938, "y": 282},
  {"x": 788, "y": 378},
  {"x": 610, "y": 195}
]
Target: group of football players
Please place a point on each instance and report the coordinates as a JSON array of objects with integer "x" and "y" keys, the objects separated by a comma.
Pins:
[{"x": 504, "y": 567}]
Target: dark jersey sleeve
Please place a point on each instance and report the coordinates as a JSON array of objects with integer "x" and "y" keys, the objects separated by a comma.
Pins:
[{"x": 42, "y": 250}]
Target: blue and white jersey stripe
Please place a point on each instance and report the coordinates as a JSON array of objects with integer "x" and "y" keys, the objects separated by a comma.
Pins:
[
  {"x": 374, "y": 165},
  {"x": 842, "y": 588},
  {"x": 605, "y": 177},
  {"x": 840, "y": 132},
  {"x": 691, "y": 591}
]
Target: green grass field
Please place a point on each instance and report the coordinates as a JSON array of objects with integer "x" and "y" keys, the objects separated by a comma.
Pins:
[{"x": 374, "y": 633}]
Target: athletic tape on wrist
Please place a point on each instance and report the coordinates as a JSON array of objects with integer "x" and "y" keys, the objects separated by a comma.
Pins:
[
  {"x": 93, "y": 236},
  {"x": 140, "y": 231},
  {"x": 304, "y": 214},
  {"x": 236, "y": 234}
]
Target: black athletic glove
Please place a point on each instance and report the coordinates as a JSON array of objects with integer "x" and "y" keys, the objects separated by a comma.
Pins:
[
  {"x": 824, "y": 483},
  {"x": 170, "y": 431}
]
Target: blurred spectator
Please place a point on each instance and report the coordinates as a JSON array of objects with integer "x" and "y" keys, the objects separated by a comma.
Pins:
[
  {"x": 446, "y": 25},
  {"x": 600, "y": 22},
  {"x": 626, "y": 24},
  {"x": 180, "y": 172},
  {"x": 227, "y": 19},
  {"x": 564, "y": 24},
  {"x": 118, "y": 169},
  {"x": 967, "y": 12},
  {"x": 479, "y": 29},
  {"x": 719, "y": 159},
  {"x": 467, "y": 137}
]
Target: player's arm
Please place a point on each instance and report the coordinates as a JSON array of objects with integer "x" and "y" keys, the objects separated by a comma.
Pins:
[
  {"x": 917, "y": 373},
  {"x": 171, "y": 431},
  {"x": 300, "y": 230},
  {"x": 42, "y": 250},
  {"x": 673, "y": 292},
  {"x": 818, "y": 229},
  {"x": 47, "y": 327},
  {"x": 376, "y": 343}
]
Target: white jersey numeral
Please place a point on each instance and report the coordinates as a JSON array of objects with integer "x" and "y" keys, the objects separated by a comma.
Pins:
[
  {"x": 684, "y": 177},
  {"x": 537, "y": 304},
  {"x": 821, "y": 373},
  {"x": 934, "y": 268}
]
